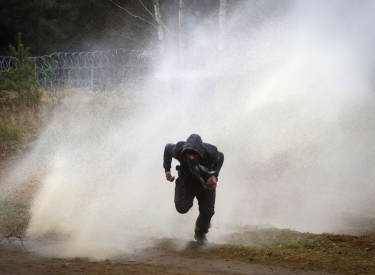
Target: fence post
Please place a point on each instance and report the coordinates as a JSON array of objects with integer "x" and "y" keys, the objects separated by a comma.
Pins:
[{"x": 92, "y": 79}]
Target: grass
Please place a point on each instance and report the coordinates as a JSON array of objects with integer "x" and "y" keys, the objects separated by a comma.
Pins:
[
  {"x": 338, "y": 254},
  {"x": 14, "y": 217},
  {"x": 20, "y": 125},
  {"x": 10, "y": 134}
]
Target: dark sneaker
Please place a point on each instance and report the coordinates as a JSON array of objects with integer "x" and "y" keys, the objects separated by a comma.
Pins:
[{"x": 200, "y": 238}]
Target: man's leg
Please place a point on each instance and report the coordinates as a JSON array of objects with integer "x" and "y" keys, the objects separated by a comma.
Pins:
[
  {"x": 206, "y": 201},
  {"x": 183, "y": 197}
]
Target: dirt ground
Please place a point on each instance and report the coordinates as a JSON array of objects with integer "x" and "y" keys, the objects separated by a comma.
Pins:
[
  {"x": 18, "y": 259},
  {"x": 15, "y": 260}
]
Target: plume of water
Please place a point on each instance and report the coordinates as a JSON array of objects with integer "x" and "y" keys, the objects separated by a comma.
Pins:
[{"x": 289, "y": 101}]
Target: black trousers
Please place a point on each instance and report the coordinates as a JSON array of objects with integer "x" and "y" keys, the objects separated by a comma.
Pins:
[{"x": 183, "y": 199}]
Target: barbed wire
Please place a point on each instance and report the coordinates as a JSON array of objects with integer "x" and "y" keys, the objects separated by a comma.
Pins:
[{"x": 98, "y": 71}]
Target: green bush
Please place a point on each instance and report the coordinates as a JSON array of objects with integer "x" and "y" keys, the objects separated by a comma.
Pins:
[{"x": 21, "y": 79}]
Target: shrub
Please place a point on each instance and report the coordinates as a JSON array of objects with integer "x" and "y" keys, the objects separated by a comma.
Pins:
[{"x": 21, "y": 78}]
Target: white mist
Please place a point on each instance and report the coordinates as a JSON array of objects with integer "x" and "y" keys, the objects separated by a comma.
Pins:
[{"x": 290, "y": 103}]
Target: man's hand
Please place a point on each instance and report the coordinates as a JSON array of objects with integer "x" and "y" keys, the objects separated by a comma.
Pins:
[
  {"x": 211, "y": 182},
  {"x": 169, "y": 176}
]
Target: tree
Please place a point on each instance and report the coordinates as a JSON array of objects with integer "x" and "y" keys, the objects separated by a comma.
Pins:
[
  {"x": 159, "y": 26},
  {"x": 21, "y": 78},
  {"x": 181, "y": 26},
  {"x": 138, "y": 14},
  {"x": 84, "y": 25},
  {"x": 222, "y": 17},
  {"x": 47, "y": 26}
]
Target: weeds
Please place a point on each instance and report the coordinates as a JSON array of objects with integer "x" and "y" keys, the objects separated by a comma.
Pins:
[
  {"x": 20, "y": 125},
  {"x": 14, "y": 217},
  {"x": 10, "y": 134},
  {"x": 340, "y": 254},
  {"x": 17, "y": 128}
]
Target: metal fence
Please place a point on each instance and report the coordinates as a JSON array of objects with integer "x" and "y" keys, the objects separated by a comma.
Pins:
[{"x": 96, "y": 71}]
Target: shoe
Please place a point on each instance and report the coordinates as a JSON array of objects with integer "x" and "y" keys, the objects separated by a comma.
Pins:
[{"x": 200, "y": 237}]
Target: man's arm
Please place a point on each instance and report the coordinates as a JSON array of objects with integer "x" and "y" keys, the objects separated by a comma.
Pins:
[
  {"x": 168, "y": 154},
  {"x": 212, "y": 181},
  {"x": 218, "y": 163},
  {"x": 167, "y": 160}
]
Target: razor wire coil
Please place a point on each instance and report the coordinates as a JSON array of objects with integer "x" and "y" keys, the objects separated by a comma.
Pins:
[{"x": 98, "y": 71}]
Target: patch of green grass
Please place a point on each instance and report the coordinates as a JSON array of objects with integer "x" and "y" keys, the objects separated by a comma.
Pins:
[
  {"x": 340, "y": 254},
  {"x": 10, "y": 134},
  {"x": 20, "y": 125},
  {"x": 14, "y": 217}
]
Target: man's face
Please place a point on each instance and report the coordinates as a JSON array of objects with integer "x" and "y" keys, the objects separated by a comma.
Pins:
[{"x": 191, "y": 155}]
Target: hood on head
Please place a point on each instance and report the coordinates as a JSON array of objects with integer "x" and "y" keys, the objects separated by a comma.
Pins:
[{"x": 194, "y": 143}]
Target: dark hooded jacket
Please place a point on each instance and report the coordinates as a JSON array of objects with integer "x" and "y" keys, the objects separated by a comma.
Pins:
[{"x": 210, "y": 157}]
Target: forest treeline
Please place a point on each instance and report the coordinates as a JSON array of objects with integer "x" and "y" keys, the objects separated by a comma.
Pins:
[{"x": 87, "y": 25}]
